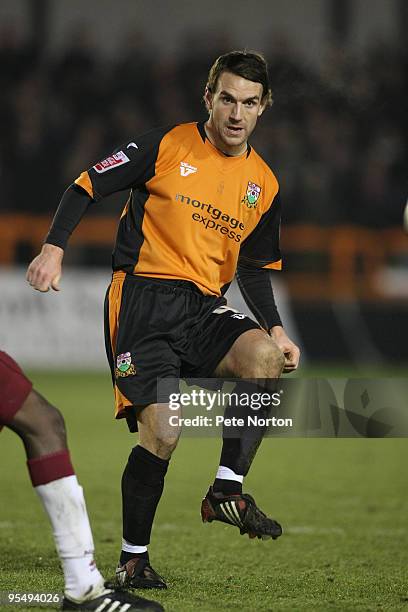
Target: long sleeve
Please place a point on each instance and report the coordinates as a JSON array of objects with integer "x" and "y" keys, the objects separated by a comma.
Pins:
[
  {"x": 258, "y": 255},
  {"x": 256, "y": 288},
  {"x": 74, "y": 204},
  {"x": 129, "y": 166}
]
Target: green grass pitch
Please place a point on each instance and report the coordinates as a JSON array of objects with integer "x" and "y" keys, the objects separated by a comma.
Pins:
[{"x": 343, "y": 505}]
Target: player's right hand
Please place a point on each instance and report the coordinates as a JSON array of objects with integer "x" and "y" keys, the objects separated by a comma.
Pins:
[{"x": 44, "y": 272}]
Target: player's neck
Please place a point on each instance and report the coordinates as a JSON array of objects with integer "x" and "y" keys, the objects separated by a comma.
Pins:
[{"x": 216, "y": 141}]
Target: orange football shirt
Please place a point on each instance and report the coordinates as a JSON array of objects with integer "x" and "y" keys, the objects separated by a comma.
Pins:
[{"x": 193, "y": 212}]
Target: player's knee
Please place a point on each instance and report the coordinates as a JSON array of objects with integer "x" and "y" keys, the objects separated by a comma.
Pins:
[
  {"x": 55, "y": 422},
  {"x": 49, "y": 418},
  {"x": 268, "y": 361},
  {"x": 161, "y": 442},
  {"x": 165, "y": 444},
  {"x": 276, "y": 361},
  {"x": 158, "y": 432},
  {"x": 38, "y": 419}
]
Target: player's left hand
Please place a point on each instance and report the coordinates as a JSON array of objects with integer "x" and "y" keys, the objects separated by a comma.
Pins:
[
  {"x": 288, "y": 348},
  {"x": 44, "y": 272}
]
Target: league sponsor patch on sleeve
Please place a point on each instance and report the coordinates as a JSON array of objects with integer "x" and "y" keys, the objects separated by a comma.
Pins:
[{"x": 115, "y": 160}]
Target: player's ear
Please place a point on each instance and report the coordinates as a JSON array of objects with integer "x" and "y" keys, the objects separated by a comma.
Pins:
[
  {"x": 208, "y": 98},
  {"x": 262, "y": 107}
]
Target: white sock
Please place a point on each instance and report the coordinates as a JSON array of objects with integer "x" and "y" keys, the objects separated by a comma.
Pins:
[
  {"x": 63, "y": 500},
  {"x": 132, "y": 548},
  {"x": 225, "y": 473}
]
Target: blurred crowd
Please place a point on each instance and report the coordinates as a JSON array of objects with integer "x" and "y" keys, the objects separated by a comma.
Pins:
[{"x": 336, "y": 135}]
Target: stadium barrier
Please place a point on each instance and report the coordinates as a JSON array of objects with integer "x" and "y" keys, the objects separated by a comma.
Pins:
[{"x": 54, "y": 330}]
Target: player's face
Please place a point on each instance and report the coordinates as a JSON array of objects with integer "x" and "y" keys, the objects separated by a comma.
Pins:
[{"x": 234, "y": 110}]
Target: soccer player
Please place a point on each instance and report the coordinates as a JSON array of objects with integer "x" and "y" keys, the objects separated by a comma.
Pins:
[
  {"x": 201, "y": 206},
  {"x": 42, "y": 430}
]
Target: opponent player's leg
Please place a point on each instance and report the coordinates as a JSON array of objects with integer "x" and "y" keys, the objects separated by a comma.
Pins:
[
  {"x": 41, "y": 428},
  {"x": 42, "y": 431},
  {"x": 142, "y": 488}
]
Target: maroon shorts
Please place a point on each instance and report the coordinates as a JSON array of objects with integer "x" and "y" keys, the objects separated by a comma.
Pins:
[{"x": 14, "y": 388}]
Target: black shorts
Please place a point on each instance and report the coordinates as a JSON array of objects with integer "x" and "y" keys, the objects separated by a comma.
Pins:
[{"x": 158, "y": 328}]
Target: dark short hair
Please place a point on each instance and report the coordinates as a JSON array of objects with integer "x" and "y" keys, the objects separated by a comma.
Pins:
[{"x": 247, "y": 64}]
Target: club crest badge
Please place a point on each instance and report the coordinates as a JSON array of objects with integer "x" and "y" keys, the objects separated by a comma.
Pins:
[
  {"x": 252, "y": 195},
  {"x": 124, "y": 366}
]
